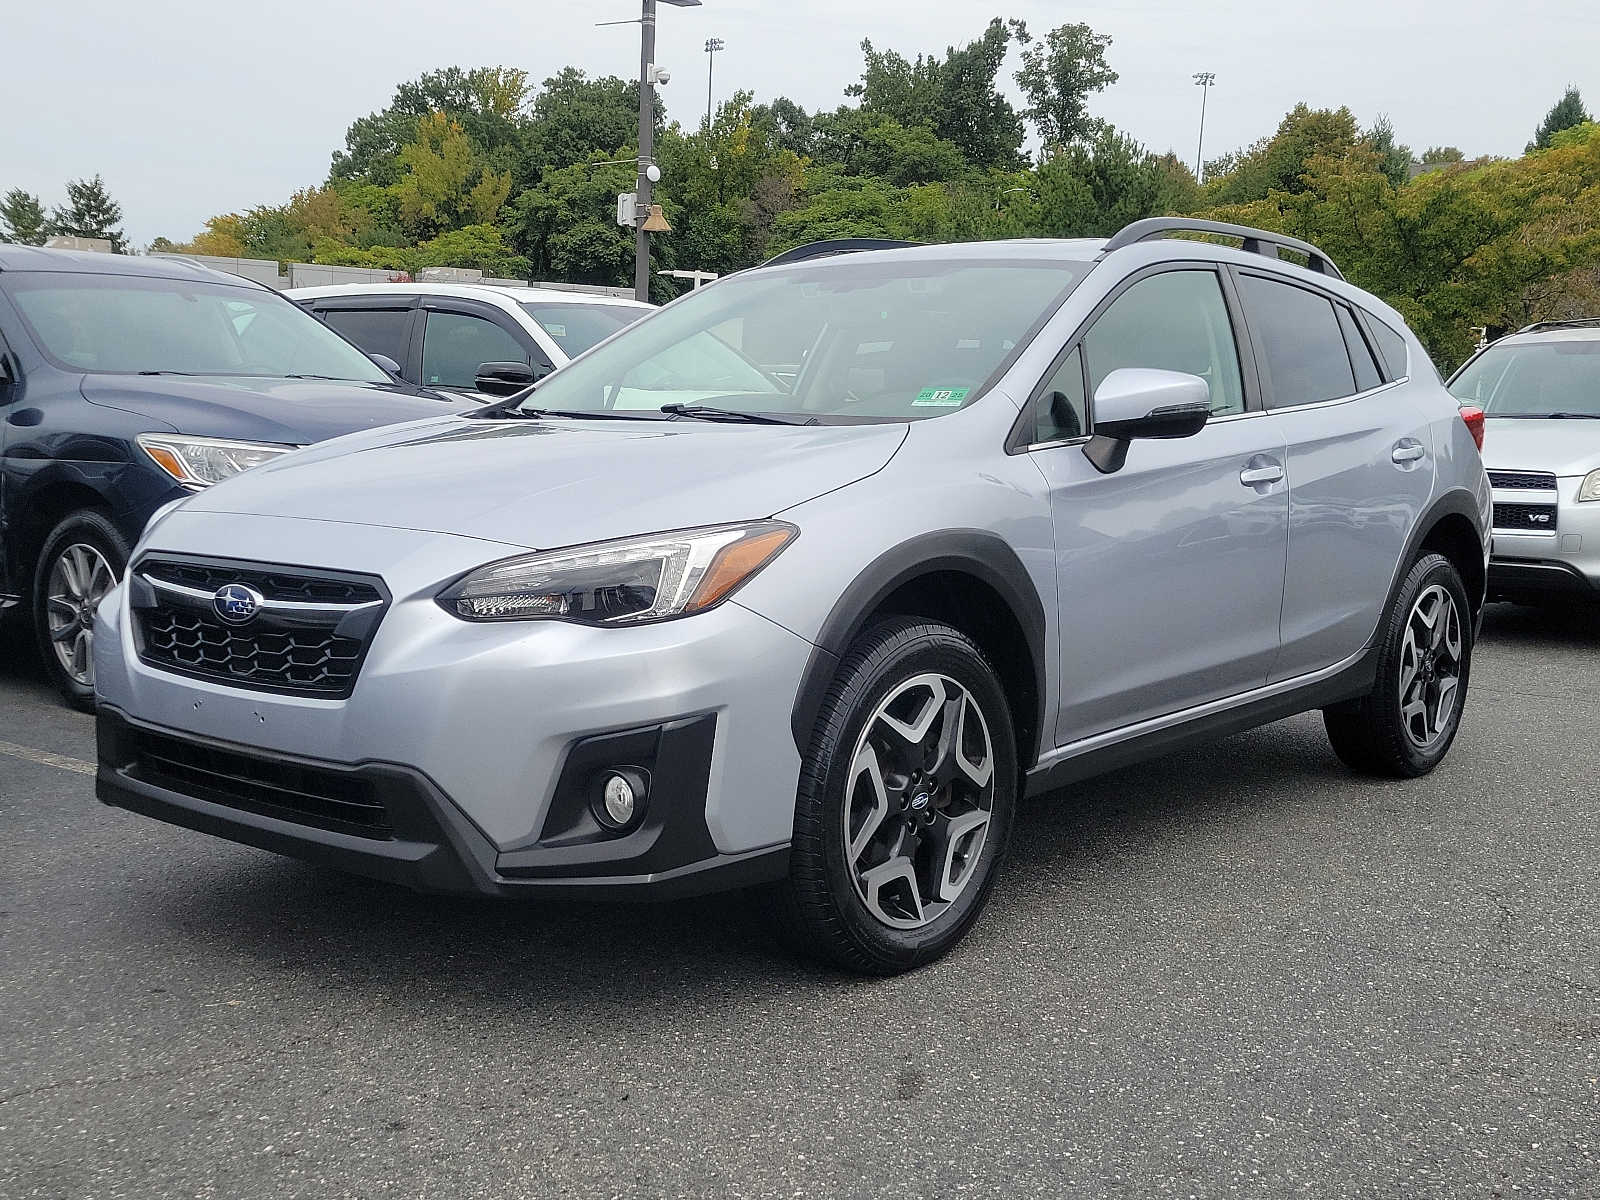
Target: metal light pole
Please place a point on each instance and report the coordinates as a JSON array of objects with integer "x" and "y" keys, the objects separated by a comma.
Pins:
[
  {"x": 712, "y": 46},
  {"x": 647, "y": 138},
  {"x": 1204, "y": 80}
]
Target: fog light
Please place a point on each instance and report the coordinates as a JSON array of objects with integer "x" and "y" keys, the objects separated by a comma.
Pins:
[{"x": 620, "y": 799}]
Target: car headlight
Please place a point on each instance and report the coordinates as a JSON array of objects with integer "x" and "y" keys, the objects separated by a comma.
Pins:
[
  {"x": 1589, "y": 489},
  {"x": 198, "y": 462},
  {"x": 631, "y": 581}
]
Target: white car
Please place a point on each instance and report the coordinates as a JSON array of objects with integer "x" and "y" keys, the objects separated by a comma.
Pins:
[{"x": 442, "y": 335}]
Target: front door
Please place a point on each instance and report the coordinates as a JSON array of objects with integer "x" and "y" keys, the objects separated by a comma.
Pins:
[{"x": 1170, "y": 570}]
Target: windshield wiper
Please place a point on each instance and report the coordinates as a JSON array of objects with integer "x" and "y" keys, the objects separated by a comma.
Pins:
[
  {"x": 501, "y": 412},
  {"x": 1571, "y": 416},
  {"x": 190, "y": 374},
  {"x": 710, "y": 412}
]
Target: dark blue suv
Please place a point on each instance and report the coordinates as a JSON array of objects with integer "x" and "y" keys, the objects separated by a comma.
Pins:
[{"x": 129, "y": 382}]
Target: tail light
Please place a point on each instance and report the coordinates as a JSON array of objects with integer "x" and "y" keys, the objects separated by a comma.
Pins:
[{"x": 1473, "y": 416}]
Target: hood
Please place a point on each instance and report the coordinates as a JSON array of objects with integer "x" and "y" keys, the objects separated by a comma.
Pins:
[
  {"x": 294, "y": 411},
  {"x": 542, "y": 484},
  {"x": 1566, "y": 447}
]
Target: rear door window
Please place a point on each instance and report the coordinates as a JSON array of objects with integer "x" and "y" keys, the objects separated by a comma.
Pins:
[
  {"x": 376, "y": 330},
  {"x": 1298, "y": 340}
]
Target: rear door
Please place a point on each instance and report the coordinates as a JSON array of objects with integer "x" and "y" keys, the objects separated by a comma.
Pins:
[
  {"x": 1170, "y": 570},
  {"x": 1360, "y": 465}
]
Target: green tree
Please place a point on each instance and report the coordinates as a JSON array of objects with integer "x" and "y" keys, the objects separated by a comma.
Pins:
[
  {"x": 487, "y": 102},
  {"x": 1564, "y": 114},
  {"x": 90, "y": 212},
  {"x": 22, "y": 219},
  {"x": 1394, "y": 160},
  {"x": 1439, "y": 156},
  {"x": 575, "y": 118},
  {"x": 1058, "y": 75},
  {"x": 1094, "y": 188},
  {"x": 566, "y": 226},
  {"x": 955, "y": 97},
  {"x": 444, "y": 184},
  {"x": 1277, "y": 163}
]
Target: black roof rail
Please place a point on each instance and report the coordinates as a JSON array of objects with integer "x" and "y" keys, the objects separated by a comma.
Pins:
[
  {"x": 1570, "y": 323},
  {"x": 832, "y": 246},
  {"x": 1256, "y": 241}
]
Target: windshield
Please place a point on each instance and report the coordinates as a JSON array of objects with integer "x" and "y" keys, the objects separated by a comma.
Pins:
[
  {"x": 576, "y": 327},
  {"x": 842, "y": 341},
  {"x": 124, "y": 325},
  {"x": 1536, "y": 379}
]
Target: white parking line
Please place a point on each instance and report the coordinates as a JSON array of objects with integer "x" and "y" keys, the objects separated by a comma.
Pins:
[{"x": 46, "y": 759}]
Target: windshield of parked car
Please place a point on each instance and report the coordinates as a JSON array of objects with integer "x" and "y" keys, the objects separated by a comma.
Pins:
[
  {"x": 1534, "y": 379},
  {"x": 128, "y": 325},
  {"x": 576, "y": 327},
  {"x": 839, "y": 341}
]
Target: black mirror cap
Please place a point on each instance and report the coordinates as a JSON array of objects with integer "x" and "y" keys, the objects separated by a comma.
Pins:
[
  {"x": 1107, "y": 450},
  {"x": 504, "y": 378}
]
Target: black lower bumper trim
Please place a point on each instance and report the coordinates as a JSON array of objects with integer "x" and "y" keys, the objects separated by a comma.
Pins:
[
  {"x": 1537, "y": 575},
  {"x": 427, "y": 844}
]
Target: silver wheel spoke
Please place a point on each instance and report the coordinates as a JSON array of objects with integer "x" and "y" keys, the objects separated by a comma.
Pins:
[
  {"x": 866, "y": 764},
  {"x": 1431, "y": 656},
  {"x": 916, "y": 730},
  {"x": 1444, "y": 705},
  {"x": 963, "y": 843},
  {"x": 79, "y": 580},
  {"x": 897, "y": 878}
]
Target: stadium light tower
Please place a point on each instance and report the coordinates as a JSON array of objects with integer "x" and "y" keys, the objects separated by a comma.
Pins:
[
  {"x": 1203, "y": 80},
  {"x": 712, "y": 46}
]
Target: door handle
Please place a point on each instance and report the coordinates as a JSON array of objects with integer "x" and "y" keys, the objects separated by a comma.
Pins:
[
  {"x": 1257, "y": 476},
  {"x": 1407, "y": 451}
]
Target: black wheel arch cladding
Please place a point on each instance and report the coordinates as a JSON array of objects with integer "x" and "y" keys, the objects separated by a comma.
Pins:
[{"x": 978, "y": 554}]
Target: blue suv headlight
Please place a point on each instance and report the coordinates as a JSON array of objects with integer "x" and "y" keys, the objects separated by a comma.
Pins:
[{"x": 631, "y": 581}]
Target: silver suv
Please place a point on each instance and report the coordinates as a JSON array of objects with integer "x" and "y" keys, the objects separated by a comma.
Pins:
[
  {"x": 1540, "y": 392},
  {"x": 806, "y": 579}
]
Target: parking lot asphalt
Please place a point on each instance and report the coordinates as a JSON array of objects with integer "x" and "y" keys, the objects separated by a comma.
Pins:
[{"x": 1235, "y": 971}]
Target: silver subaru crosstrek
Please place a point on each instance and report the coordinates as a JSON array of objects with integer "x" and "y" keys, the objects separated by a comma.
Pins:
[
  {"x": 805, "y": 580},
  {"x": 1539, "y": 391}
]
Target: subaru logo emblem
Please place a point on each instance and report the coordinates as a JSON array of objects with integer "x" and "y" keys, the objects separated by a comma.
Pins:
[
  {"x": 920, "y": 801},
  {"x": 236, "y": 603}
]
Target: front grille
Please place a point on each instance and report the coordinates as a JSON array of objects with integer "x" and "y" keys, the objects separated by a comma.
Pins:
[
  {"x": 1523, "y": 481},
  {"x": 308, "y": 638},
  {"x": 271, "y": 787},
  {"x": 1525, "y": 518}
]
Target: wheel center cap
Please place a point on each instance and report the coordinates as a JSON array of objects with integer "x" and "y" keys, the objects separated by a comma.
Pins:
[{"x": 920, "y": 801}]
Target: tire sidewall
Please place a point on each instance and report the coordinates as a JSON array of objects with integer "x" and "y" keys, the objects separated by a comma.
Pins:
[
  {"x": 920, "y": 649},
  {"x": 86, "y": 527}
]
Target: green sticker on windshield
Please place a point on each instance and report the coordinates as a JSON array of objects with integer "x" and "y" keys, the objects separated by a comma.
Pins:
[{"x": 940, "y": 398}]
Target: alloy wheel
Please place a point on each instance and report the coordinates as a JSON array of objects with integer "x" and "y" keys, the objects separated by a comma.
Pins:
[
  {"x": 1430, "y": 667},
  {"x": 918, "y": 801},
  {"x": 79, "y": 579}
]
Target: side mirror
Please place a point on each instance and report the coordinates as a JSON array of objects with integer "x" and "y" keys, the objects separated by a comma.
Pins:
[
  {"x": 1139, "y": 402},
  {"x": 387, "y": 363},
  {"x": 504, "y": 378}
]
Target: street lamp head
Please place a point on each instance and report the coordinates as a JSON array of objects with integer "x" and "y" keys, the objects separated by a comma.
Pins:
[
  {"x": 1205, "y": 78},
  {"x": 715, "y": 44}
]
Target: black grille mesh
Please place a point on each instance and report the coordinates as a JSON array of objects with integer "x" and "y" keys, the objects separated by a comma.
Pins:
[
  {"x": 1537, "y": 518},
  {"x": 1528, "y": 481}
]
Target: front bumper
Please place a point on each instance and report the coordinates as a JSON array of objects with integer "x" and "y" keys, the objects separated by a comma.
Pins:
[
  {"x": 396, "y": 824},
  {"x": 1564, "y": 561},
  {"x": 462, "y": 732}
]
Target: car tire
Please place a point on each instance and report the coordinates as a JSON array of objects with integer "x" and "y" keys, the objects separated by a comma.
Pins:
[
  {"x": 82, "y": 558},
  {"x": 1405, "y": 726},
  {"x": 900, "y": 827}
]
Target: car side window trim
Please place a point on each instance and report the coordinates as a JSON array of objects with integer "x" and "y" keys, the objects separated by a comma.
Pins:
[
  {"x": 1366, "y": 320},
  {"x": 1020, "y": 439}
]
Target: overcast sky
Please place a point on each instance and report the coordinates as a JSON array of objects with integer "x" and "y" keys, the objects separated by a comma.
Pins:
[{"x": 191, "y": 109}]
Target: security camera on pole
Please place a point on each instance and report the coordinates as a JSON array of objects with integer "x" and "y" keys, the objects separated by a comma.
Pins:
[{"x": 650, "y": 77}]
